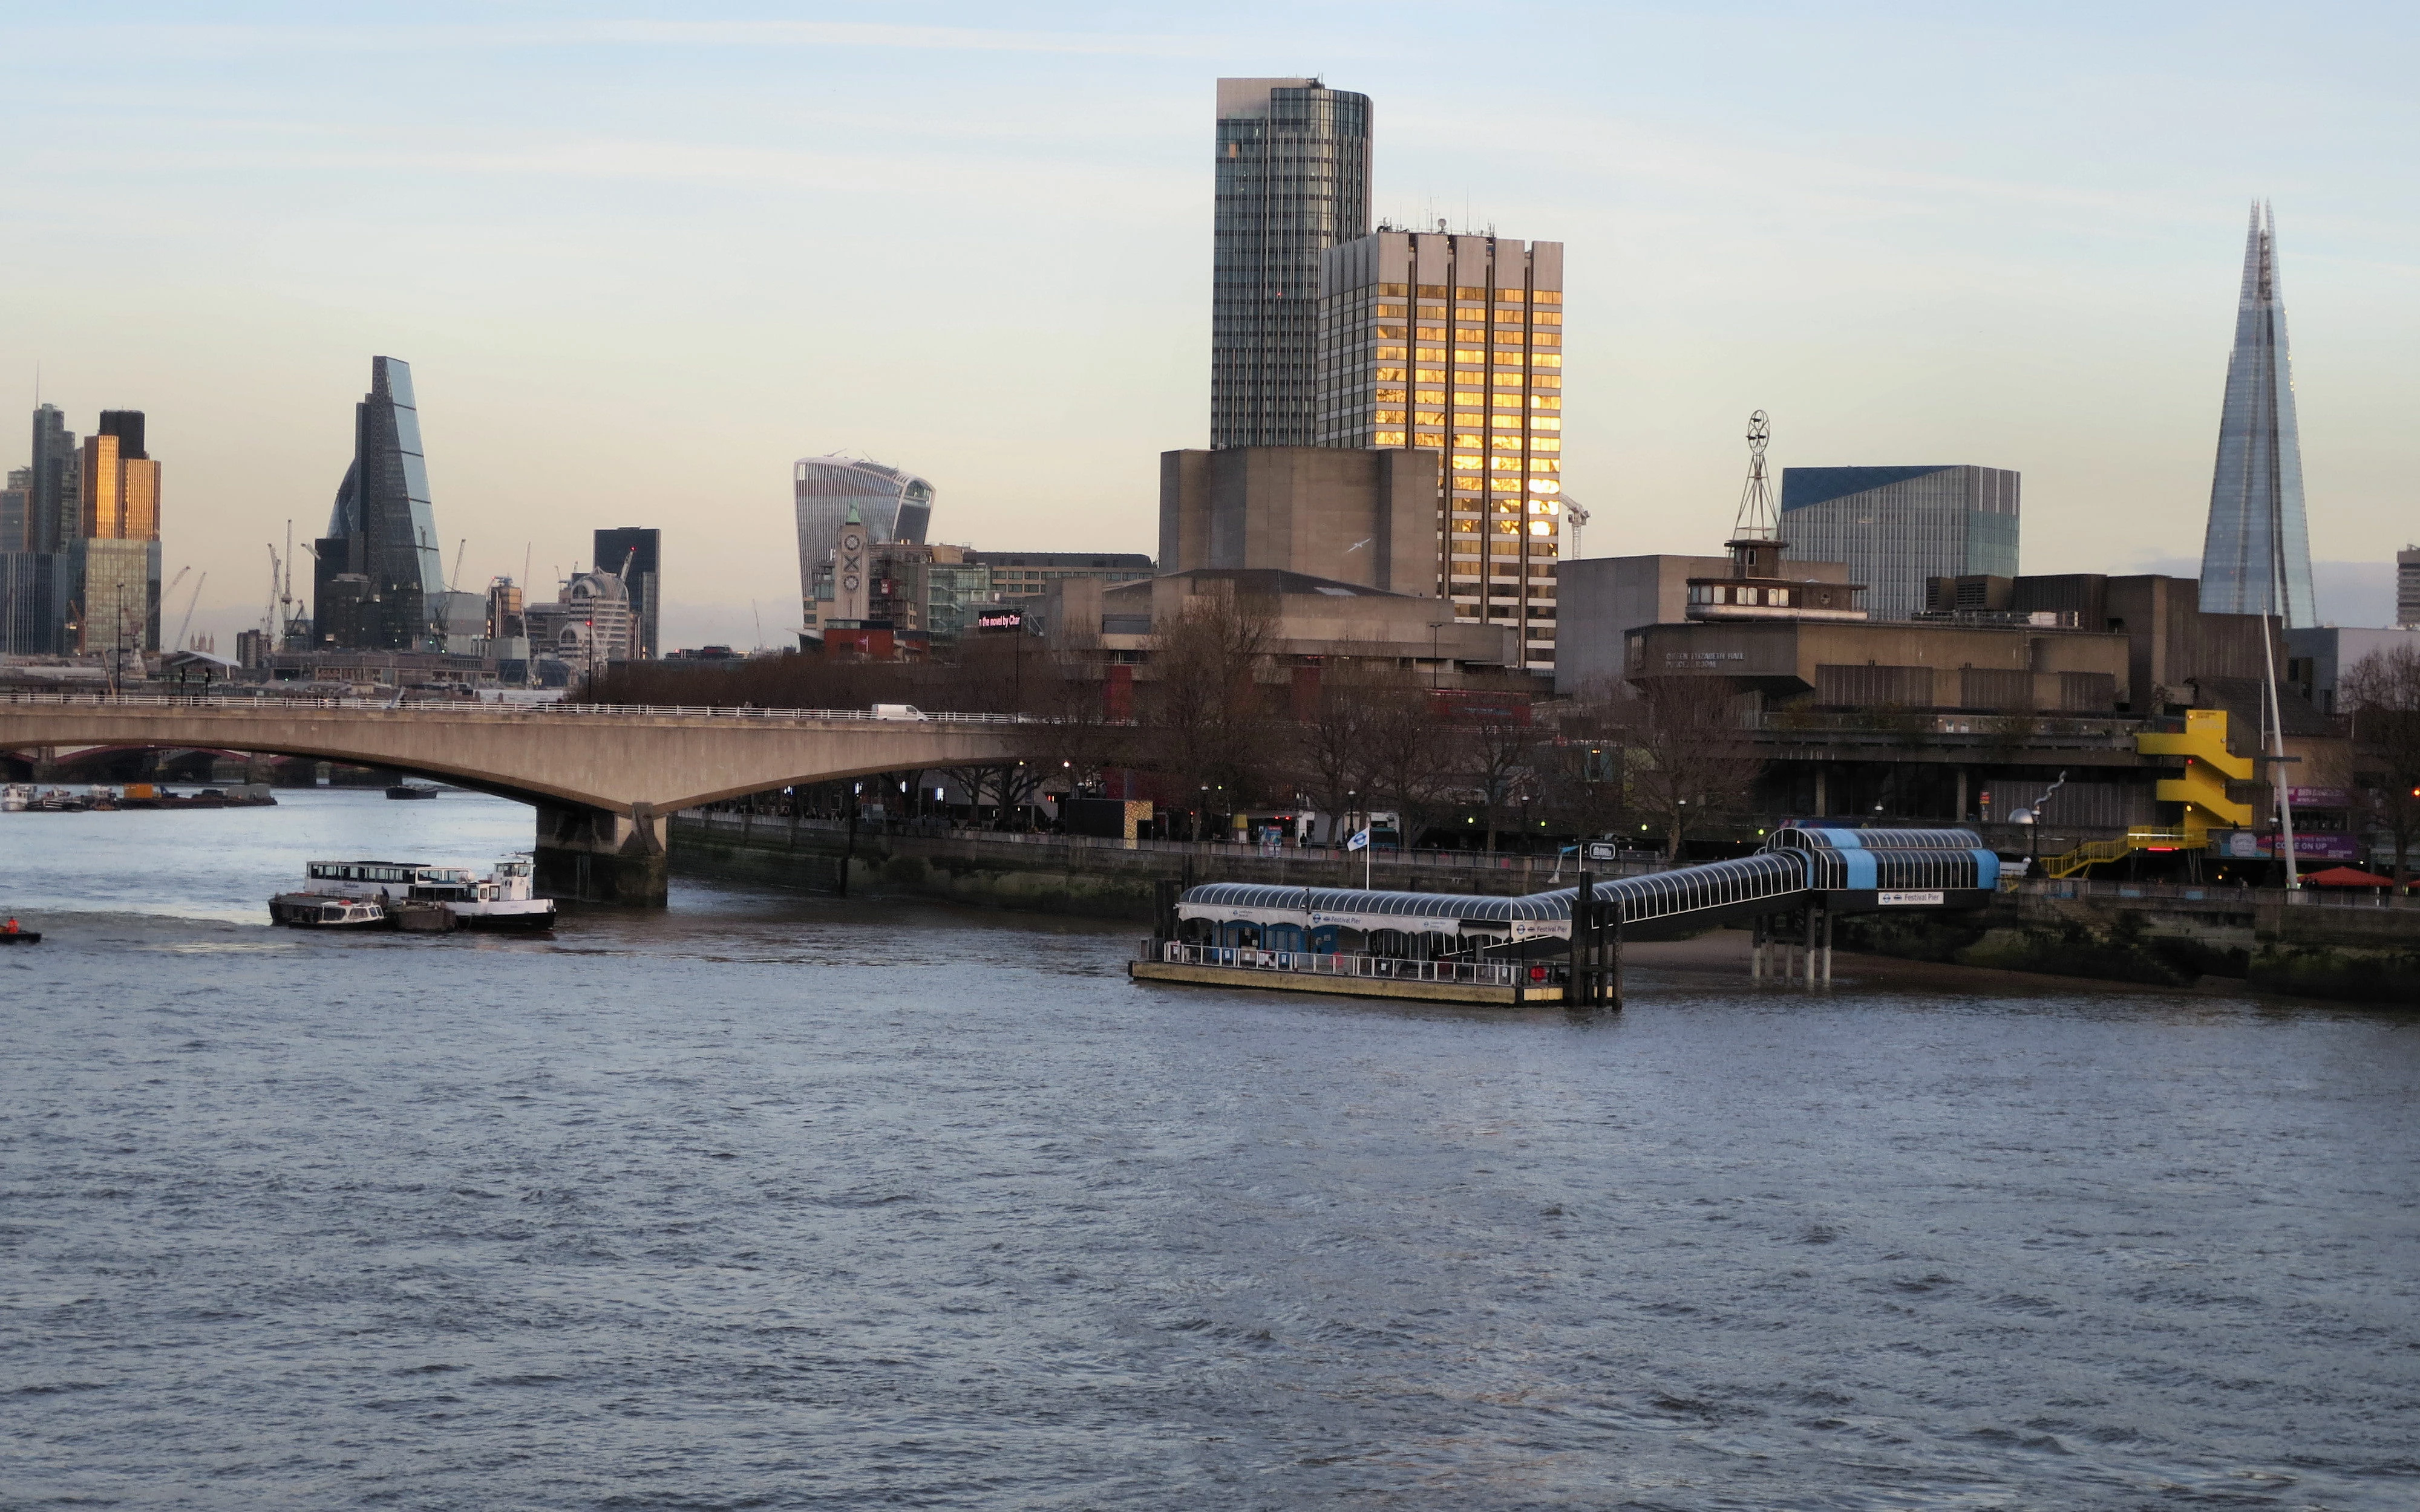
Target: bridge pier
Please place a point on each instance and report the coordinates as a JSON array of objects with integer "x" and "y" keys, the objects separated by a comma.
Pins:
[{"x": 599, "y": 856}]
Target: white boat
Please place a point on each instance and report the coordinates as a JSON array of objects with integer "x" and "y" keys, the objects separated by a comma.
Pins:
[
  {"x": 16, "y": 797},
  {"x": 504, "y": 898},
  {"x": 316, "y": 910}
]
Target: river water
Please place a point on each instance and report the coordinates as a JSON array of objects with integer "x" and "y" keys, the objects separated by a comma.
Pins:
[{"x": 774, "y": 1201}]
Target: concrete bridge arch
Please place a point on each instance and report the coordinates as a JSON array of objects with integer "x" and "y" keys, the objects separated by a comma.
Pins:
[{"x": 601, "y": 778}]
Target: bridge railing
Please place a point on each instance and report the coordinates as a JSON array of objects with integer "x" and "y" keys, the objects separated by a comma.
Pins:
[{"x": 61, "y": 698}]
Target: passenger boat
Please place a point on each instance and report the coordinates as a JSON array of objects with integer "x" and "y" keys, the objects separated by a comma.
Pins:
[
  {"x": 412, "y": 790},
  {"x": 1509, "y": 952},
  {"x": 506, "y": 898},
  {"x": 16, "y": 797},
  {"x": 319, "y": 910}
]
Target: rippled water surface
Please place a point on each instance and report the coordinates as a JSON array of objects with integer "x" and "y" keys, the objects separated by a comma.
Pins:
[{"x": 778, "y": 1202}]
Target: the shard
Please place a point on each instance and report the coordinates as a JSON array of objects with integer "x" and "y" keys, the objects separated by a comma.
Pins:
[{"x": 2255, "y": 556}]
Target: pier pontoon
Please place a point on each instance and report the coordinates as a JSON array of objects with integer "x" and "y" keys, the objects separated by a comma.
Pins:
[{"x": 1452, "y": 947}]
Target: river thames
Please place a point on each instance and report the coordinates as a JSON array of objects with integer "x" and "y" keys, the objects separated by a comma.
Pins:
[{"x": 777, "y": 1201}]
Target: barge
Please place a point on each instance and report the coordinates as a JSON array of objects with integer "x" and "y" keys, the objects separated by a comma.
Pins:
[
  {"x": 415, "y": 896},
  {"x": 1564, "y": 946}
]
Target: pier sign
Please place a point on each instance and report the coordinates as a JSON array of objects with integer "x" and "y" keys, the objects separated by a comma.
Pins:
[{"x": 1908, "y": 900}]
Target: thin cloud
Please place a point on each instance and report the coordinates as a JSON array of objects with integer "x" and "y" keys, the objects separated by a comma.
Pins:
[{"x": 224, "y": 39}]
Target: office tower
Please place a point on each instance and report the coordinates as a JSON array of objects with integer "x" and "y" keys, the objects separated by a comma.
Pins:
[
  {"x": 1454, "y": 344},
  {"x": 1292, "y": 181},
  {"x": 379, "y": 570},
  {"x": 2406, "y": 587},
  {"x": 56, "y": 507},
  {"x": 1896, "y": 527},
  {"x": 118, "y": 531},
  {"x": 14, "y": 513},
  {"x": 633, "y": 553},
  {"x": 37, "y": 602},
  {"x": 2255, "y": 556},
  {"x": 888, "y": 505}
]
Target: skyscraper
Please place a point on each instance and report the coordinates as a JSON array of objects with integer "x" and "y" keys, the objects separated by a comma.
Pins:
[
  {"x": 378, "y": 574},
  {"x": 890, "y": 504},
  {"x": 39, "y": 559},
  {"x": 2406, "y": 587},
  {"x": 1387, "y": 302},
  {"x": 1894, "y": 526},
  {"x": 1292, "y": 181},
  {"x": 2255, "y": 556},
  {"x": 118, "y": 530},
  {"x": 633, "y": 553},
  {"x": 55, "y": 506}
]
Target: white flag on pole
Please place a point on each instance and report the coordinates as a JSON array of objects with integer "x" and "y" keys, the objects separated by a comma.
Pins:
[{"x": 1361, "y": 841}]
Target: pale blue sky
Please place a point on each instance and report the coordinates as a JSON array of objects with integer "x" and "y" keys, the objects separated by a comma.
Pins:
[{"x": 641, "y": 262}]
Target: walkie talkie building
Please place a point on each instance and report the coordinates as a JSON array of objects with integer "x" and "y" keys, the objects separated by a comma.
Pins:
[
  {"x": 893, "y": 505},
  {"x": 2255, "y": 556}
]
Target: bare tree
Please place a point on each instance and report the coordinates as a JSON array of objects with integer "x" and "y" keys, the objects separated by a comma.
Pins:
[
  {"x": 1494, "y": 757},
  {"x": 2382, "y": 693},
  {"x": 1333, "y": 761},
  {"x": 1410, "y": 761},
  {"x": 1203, "y": 724},
  {"x": 1688, "y": 759}
]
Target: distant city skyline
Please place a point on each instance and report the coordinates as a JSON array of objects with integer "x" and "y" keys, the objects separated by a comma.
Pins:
[{"x": 582, "y": 236}]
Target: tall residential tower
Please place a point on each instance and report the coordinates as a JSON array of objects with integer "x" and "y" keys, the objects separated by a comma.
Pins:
[
  {"x": 1454, "y": 344},
  {"x": 1292, "y": 181},
  {"x": 2255, "y": 556}
]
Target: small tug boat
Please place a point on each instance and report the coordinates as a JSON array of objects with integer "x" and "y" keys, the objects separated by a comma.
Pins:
[
  {"x": 1564, "y": 946},
  {"x": 409, "y": 894}
]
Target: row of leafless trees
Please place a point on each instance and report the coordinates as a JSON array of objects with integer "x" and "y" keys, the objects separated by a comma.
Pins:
[
  {"x": 2381, "y": 694},
  {"x": 1218, "y": 726}
]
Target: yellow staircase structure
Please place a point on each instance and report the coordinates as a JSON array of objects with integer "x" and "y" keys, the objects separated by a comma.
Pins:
[{"x": 2201, "y": 788}]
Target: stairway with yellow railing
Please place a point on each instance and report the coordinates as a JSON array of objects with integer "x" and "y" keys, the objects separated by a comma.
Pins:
[{"x": 2201, "y": 787}]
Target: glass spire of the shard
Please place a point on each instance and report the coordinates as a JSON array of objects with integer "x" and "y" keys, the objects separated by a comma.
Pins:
[{"x": 2255, "y": 557}]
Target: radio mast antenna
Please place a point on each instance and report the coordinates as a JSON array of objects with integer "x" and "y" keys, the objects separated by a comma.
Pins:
[{"x": 1756, "y": 522}]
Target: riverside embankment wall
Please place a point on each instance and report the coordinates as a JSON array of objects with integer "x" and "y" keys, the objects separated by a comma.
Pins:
[
  {"x": 1101, "y": 879},
  {"x": 2316, "y": 944},
  {"x": 2320, "y": 947}
]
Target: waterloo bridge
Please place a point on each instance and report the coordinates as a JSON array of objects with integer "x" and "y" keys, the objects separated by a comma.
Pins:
[{"x": 603, "y": 777}]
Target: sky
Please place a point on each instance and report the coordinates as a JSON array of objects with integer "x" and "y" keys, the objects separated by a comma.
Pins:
[{"x": 641, "y": 260}]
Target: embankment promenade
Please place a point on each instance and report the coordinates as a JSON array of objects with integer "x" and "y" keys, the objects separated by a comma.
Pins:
[{"x": 2349, "y": 948}]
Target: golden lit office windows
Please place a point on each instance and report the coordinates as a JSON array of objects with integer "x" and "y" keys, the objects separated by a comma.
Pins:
[
  {"x": 1547, "y": 358},
  {"x": 1544, "y": 466},
  {"x": 1507, "y": 527},
  {"x": 1508, "y": 381},
  {"x": 1394, "y": 291},
  {"x": 1546, "y": 444},
  {"x": 1386, "y": 437},
  {"x": 1546, "y": 423},
  {"x": 1429, "y": 397},
  {"x": 1547, "y": 295},
  {"x": 1386, "y": 417},
  {"x": 1541, "y": 527},
  {"x": 1389, "y": 374},
  {"x": 1429, "y": 333},
  {"x": 1542, "y": 401},
  {"x": 1506, "y": 464},
  {"x": 1426, "y": 438},
  {"x": 1465, "y": 462},
  {"x": 1390, "y": 397},
  {"x": 1428, "y": 417}
]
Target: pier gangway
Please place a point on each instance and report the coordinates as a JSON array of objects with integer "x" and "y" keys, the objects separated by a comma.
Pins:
[{"x": 1803, "y": 878}]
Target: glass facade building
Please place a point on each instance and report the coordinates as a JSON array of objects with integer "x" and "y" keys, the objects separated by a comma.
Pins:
[
  {"x": 2256, "y": 554},
  {"x": 1454, "y": 344},
  {"x": 1293, "y": 181},
  {"x": 118, "y": 529},
  {"x": 635, "y": 555},
  {"x": 1896, "y": 527},
  {"x": 379, "y": 577},
  {"x": 893, "y": 505}
]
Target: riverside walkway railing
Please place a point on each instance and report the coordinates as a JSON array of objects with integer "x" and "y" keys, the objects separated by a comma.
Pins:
[
  {"x": 1541, "y": 867},
  {"x": 62, "y": 698},
  {"x": 2214, "y": 894},
  {"x": 1323, "y": 964}
]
